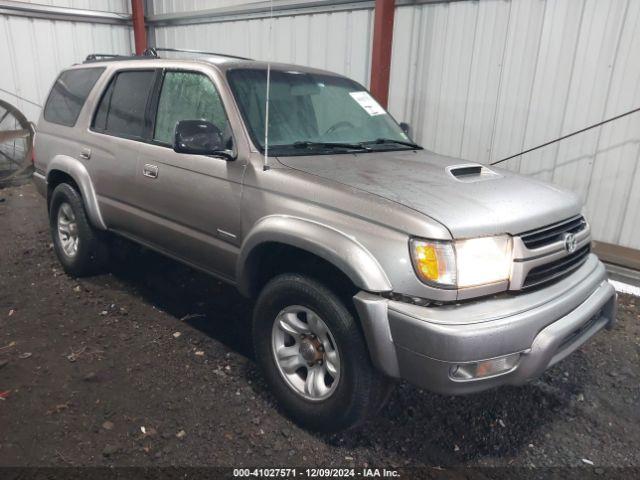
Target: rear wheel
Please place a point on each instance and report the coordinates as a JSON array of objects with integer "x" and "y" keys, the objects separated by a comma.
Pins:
[
  {"x": 313, "y": 355},
  {"x": 80, "y": 248}
]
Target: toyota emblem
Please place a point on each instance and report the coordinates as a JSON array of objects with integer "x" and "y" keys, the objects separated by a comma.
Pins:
[{"x": 570, "y": 242}]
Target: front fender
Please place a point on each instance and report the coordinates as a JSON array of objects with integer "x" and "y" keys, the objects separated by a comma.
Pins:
[
  {"x": 341, "y": 250},
  {"x": 76, "y": 170}
]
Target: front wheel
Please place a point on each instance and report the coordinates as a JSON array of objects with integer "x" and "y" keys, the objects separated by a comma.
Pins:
[{"x": 313, "y": 355}]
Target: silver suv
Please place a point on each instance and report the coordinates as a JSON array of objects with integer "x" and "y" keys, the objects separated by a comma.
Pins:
[{"x": 368, "y": 257}]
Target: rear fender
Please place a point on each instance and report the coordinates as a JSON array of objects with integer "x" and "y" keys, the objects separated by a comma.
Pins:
[{"x": 76, "y": 170}]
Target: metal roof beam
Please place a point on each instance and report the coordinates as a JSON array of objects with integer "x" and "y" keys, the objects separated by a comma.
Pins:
[
  {"x": 257, "y": 10},
  {"x": 281, "y": 8},
  {"x": 49, "y": 12}
]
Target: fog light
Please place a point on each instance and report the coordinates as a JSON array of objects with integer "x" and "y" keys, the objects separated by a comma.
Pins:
[{"x": 486, "y": 368}]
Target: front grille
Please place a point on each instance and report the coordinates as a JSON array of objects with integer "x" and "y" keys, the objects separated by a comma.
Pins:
[
  {"x": 556, "y": 269},
  {"x": 553, "y": 233}
]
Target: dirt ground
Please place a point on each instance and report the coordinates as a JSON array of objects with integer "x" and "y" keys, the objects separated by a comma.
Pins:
[{"x": 151, "y": 365}]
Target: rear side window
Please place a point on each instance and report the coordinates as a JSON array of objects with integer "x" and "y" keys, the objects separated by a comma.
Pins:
[
  {"x": 123, "y": 107},
  {"x": 69, "y": 94}
]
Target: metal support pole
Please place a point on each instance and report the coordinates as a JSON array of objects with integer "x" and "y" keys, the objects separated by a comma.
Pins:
[
  {"x": 381, "y": 50},
  {"x": 139, "y": 29}
]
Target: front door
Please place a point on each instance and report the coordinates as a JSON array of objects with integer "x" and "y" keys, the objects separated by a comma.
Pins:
[{"x": 192, "y": 202}]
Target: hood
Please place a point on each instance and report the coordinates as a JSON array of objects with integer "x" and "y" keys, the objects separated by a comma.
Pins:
[{"x": 467, "y": 198}]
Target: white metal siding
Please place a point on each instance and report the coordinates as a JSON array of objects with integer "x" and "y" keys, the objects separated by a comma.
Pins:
[
  {"x": 35, "y": 50},
  {"x": 338, "y": 41},
  {"x": 483, "y": 80}
]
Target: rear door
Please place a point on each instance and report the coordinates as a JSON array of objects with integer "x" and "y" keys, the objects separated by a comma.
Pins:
[
  {"x": 192, "y": 201},
  {"x": 120, "y": 124}
]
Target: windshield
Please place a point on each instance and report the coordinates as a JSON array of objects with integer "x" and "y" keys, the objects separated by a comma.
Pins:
[{"x": 312, "y": 112}]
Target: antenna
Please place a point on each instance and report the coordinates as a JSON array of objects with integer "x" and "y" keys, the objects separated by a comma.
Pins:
[{"x": 265, "y": 165}]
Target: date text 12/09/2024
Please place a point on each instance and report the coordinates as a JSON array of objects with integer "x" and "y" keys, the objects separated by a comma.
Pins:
[{"x": 316, "y": 472}]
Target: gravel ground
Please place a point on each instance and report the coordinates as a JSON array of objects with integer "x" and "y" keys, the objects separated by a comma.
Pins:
[{"x": 151, "y": 365}]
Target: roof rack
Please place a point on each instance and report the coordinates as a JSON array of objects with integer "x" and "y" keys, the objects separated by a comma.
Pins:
[
  {"x": 106, "y": 57},
  {"x": 150, "y": 53},
  {"x": 153, "y": 52}
]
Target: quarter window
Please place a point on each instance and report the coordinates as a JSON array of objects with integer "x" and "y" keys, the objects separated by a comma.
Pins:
[
  {"x": 122, "y": 110},
  {"x": 189, "y": 96},
  {"x": 69, "y": 94}
]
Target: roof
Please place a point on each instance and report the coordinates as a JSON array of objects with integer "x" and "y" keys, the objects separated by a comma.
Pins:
[{"x": 221, "y": 61}]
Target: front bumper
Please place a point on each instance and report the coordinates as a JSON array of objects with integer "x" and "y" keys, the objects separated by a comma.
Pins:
[{"x": 423, "y": 345}]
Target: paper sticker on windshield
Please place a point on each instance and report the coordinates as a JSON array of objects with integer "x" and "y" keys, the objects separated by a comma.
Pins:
[{"x": 367, "y": 102}]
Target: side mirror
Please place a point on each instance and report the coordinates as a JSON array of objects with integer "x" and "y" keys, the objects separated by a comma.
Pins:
[
  {"x": 406, "y": 128},
  {"x": 200, "y": 137}
]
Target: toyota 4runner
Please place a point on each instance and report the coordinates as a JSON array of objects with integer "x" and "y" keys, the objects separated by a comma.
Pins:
[{"x": 368, "y": 257}]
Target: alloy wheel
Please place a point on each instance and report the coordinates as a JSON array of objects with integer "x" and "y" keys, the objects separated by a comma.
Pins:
[
  {"x": 68, "y": 230},
  {"x": 305, "y": 353}
]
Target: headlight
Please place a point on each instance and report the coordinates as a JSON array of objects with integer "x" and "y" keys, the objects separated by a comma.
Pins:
[
  {"x": 462, "y": 263},
  {"x": 483, "y": 260}
]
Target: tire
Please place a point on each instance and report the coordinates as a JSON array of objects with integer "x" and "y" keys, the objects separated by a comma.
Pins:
[
  {"x": 90, "y": 255},
  {"x": 359, "y": 391}
]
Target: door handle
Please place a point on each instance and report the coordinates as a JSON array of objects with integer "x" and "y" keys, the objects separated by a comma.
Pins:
[
  {"x": 85, "y": 153},
  {"x": 150, "y": 171}
]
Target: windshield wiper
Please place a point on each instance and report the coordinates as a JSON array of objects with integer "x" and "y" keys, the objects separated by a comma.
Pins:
[
  {"x": 350, "y": 146},
  {"x": 382, "y": 141}
]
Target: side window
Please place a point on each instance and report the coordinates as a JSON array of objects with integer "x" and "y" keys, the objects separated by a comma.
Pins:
[
  {"x": 100, "y": 119},
  {"x": 69, "y": 94},
  {"x": 122, "y": 109},
  {"x": 188, "y": 96}
]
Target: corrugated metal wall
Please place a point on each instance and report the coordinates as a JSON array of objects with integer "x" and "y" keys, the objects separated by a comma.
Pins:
[
  {"x": 34, "y": 50},
  {"x": 338, "y": 41},
  {"x": 485, "y": 79}
]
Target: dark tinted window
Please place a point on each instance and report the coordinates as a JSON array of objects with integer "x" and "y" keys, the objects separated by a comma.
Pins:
[
  {"x": 69, "y": 94},
  {"x": 123, "y": 106},
  {"x": 100, "y": 119}
]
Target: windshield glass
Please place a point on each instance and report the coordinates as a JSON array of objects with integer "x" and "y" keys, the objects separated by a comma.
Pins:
[{"x": 322, "y": 113}]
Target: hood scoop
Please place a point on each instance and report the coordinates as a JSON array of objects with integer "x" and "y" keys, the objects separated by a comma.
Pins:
[{"x": 471, "y": 172}]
